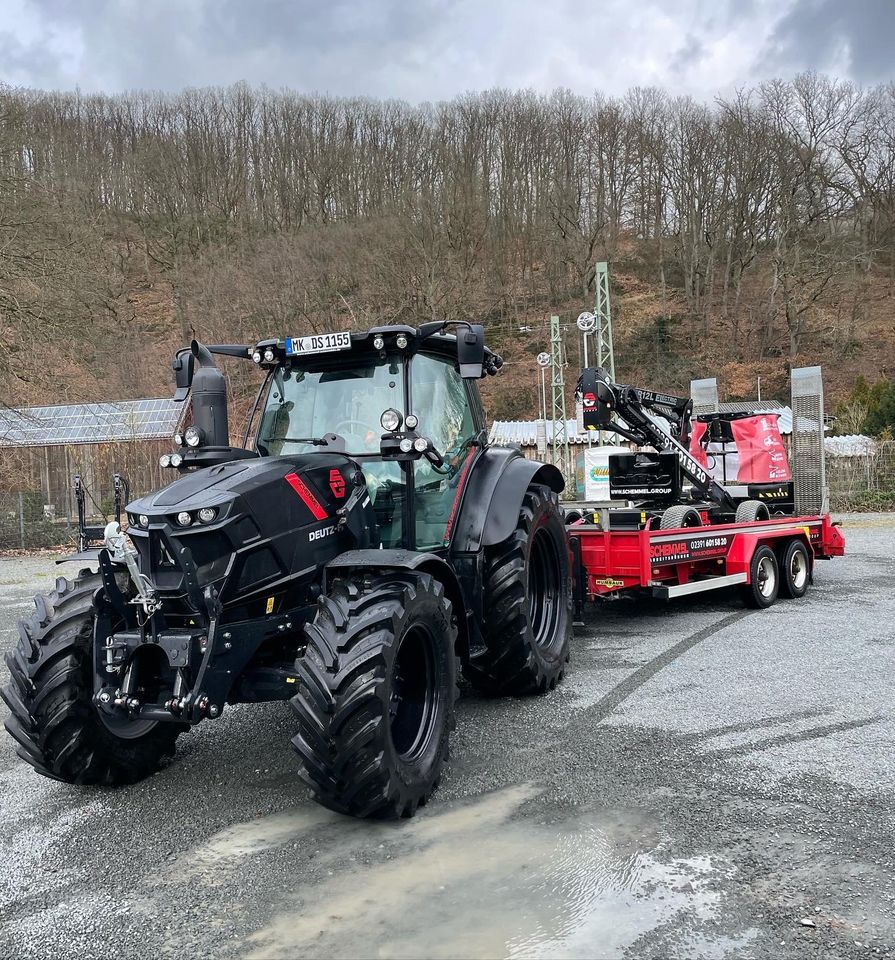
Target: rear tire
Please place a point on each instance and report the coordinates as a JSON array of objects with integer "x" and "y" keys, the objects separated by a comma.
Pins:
[
  {"x": 50, "y": 696},
  {"x": 764, "y": 577},
  {"x": 678, "y": 517},
  {"x": 795, "y": 570},
  {"x": 751, "y": 510},
  {"x": 376, "y": 692},
  {"x": 527, "y": 624}
]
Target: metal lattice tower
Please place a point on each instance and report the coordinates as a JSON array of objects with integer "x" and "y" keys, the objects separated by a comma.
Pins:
[
  {"x": 603, "y": 313},
  {"x": 561, "y": 456}
]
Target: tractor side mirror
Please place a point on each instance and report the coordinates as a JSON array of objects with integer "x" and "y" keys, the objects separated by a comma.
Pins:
[
  {"x": 471, "y": 351},
  {"x": 183, "y": 373}
]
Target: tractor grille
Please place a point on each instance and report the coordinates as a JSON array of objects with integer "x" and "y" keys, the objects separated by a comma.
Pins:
[{"x": 809, "y": 475}]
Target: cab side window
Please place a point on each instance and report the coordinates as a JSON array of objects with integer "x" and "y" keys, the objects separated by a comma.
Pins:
[{"x": 440, "y": 401}]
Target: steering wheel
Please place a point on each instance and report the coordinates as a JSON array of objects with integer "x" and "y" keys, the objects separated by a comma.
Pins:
[{"x": 364, "y": 427}]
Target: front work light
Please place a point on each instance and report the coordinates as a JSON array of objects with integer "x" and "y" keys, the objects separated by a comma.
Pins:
[
  {"x": 164, "y": 460},
  {"x": 378, "y": 342},
  {"x": 175, "y": 460},
  {"x": 207, "y": 515},
  {"x": 421, "y": 444},
  {"x": 406, "y": 445},
  {"x": 390, "y": 420},
  {"x": 184, "y": 519},
  {"x": 193, "y": 436}
]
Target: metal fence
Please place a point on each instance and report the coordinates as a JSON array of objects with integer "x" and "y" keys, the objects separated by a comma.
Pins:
[
  {"x": 864, "y": 482},
  {"x": 29, "y": 522}
]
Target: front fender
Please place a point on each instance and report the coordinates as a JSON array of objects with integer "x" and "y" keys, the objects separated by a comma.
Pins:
[
  {"x": 492, "y": 500},
  {"x": 429, "y": 563}
]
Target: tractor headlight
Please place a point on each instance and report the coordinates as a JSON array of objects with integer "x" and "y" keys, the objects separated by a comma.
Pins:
[
  {"x": 406, "y": 445},
  {"x": 256, "y": 356},
  {"x": 269, "y": 355},
  {"x": 207, "y": 515},
  {"x": 184, "y": 519},
  {"x": 390, "y": 420},
  {"x": 178, "y": 439},
  {"x": 401, "y": 341},
  {"x": 411, "y": 422},
  {"x": 421, "y": 444},
  {"x": 175, "y": 460},
  {"x": 144, "y": 520},
  {"x": 164, "y": 460},
  {"x": 193, "y": 436},
  {"x": 378, "y": 342}
]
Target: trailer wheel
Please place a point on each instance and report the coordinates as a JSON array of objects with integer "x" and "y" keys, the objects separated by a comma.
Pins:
[
  {"x": 53, "y": 718},
  {"x": 375, "y": 698},
  {"x": 795, "y": 570},
  {"x": 527, "y": 624},
  {"x": 764, "y": 577},
  {"x": 750, "y": 510},
  {"x": 674, "y": 518}
]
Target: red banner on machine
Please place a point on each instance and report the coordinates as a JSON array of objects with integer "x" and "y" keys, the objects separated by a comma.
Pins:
[{"x": 760, "y": 446}]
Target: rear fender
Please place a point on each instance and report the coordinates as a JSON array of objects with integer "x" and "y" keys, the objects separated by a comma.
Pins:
[
  {"x": 435, "y": 566},
  {"x": 493, "y": 497}
]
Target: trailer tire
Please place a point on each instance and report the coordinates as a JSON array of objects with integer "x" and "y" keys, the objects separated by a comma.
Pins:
[
  {"x": 53, "y": 719},
  {"x": 377, "y": 684},
  {"x": 795, "y": 570},
  {"x": 677, "y": 517},
  {"x": 527, "y": 622},
  {"x": 764, "y": 579},
  {"x": 751, "y": 510}
]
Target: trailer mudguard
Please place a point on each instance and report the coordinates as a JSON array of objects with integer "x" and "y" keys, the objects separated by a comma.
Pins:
[
  {"x": 429, "y": 563},
  {"x": 493, "y": 496}
]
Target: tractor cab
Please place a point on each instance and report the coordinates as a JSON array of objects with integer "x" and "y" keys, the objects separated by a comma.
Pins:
[{"x": 398, "y": 406}]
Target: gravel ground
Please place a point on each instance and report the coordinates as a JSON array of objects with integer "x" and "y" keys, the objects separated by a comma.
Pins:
[{"x": 706, "y": 783}]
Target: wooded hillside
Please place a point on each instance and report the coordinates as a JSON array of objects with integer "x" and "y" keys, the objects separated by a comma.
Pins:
[{"x": 742, "y": 236}]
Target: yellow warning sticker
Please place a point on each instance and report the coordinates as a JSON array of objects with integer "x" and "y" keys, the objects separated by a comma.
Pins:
[
  {"x": 270, "y": 604},
  {"x": 609, "y": 582}
]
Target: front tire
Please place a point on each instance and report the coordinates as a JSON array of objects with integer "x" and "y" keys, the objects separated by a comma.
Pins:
[
  {"x": 527, "y": 624},
  {"x": 50, "y": 696},
  {"x": 376, "y": 692}
]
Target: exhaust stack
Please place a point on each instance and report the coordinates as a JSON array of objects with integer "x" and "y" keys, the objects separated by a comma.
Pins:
[{"x": 209, "y": 391}]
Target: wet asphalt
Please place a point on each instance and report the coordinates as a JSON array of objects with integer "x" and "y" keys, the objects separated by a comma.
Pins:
[{"x": 707, "y": 782}]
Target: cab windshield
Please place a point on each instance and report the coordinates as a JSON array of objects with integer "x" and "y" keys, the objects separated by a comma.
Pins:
[{"x": 304, "y": 406}]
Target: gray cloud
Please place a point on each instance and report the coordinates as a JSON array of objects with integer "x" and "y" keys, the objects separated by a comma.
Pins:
[
  {"x": 857, "y": 37},
  {"x": 434, "y": 49}
]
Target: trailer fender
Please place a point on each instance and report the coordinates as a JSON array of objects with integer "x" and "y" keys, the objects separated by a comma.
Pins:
[
  {"x": 493, "y": 497},
  {"x": 429, "y": 563}
]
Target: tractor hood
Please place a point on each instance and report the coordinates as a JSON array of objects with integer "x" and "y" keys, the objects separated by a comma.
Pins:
[{"x": 249, "y": 527}]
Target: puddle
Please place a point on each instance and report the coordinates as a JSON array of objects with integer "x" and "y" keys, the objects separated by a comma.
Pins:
[{"x": 492, "y": 878}]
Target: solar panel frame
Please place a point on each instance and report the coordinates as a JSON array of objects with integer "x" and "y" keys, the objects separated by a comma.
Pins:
[{"x": 86, "y": 423}]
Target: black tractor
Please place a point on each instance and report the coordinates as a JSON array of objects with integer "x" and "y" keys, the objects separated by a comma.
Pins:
[{"x": 362, "y": 542}]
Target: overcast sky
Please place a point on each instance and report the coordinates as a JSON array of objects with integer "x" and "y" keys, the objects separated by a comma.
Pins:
[{"x": 433, "y": 49}]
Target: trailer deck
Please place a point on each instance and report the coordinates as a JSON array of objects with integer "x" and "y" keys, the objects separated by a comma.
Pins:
[{"x": 613, "y": 561}]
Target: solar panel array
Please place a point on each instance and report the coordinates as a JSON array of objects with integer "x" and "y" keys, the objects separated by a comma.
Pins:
[{"x": 89, "y": 423}]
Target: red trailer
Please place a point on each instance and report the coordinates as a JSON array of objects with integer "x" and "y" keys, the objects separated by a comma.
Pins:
[{"x": 614, "y": 556}]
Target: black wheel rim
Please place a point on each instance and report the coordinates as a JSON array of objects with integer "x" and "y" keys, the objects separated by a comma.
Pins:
[
  {"x": 544, "y": 588},
  {"x": 413, "y": 695}
]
